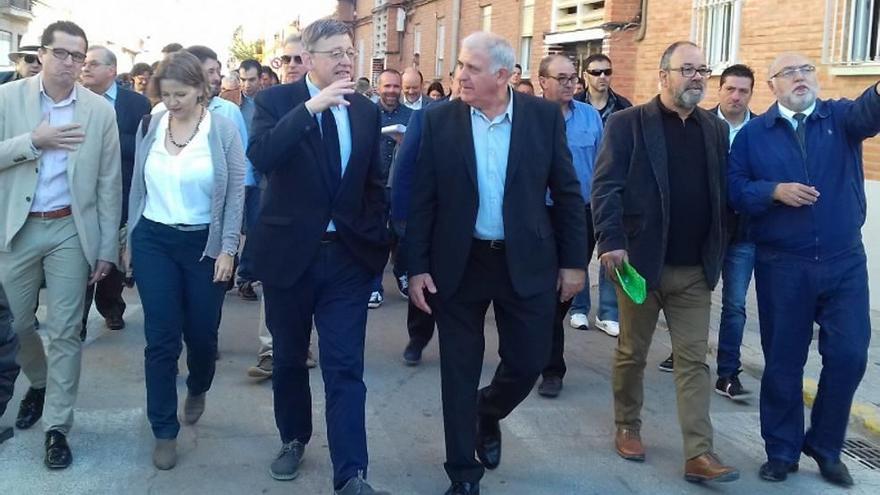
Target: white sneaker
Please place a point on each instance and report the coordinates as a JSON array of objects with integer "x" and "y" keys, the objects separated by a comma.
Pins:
[
  {"x": 612, "y": 328},
  {"x": 375, "y": 300},
  {"x": 579, "y": 321}
]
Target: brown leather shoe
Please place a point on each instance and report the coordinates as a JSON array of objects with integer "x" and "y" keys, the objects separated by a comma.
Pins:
[
  {"x": 628, "y": 443},
  {"x": 707, "y": 467}
]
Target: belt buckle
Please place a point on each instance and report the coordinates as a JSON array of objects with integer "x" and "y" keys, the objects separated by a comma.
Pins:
[{"x": 496, "y": 244}]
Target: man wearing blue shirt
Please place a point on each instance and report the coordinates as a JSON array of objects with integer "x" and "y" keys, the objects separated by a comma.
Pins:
[
  {"x": 796, "y": 171},
  {"x": 583, "y": 130}
]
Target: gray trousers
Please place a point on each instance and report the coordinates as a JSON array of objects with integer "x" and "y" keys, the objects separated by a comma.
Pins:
[{"x": 8, "y": 349}]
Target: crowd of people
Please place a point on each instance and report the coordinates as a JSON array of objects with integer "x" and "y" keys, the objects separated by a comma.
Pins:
[{"x": 188, "y": 183}]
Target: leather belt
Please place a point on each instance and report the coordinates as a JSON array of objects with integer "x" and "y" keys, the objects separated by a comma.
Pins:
[
  {"x": 494, "y": 244},
  {"x": 183, "y": 227},
  {"x": 63, "y": 212}
]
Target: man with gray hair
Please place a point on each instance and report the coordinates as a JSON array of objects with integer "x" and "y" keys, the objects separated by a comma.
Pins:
[
  {"x": 659, "y": 204},
  {"x": 293, "y": 68},
  {"x": 480, "y": 233}
]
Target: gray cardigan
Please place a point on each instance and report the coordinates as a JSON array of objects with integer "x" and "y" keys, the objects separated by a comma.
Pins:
[{"x": 227, "y": 203}]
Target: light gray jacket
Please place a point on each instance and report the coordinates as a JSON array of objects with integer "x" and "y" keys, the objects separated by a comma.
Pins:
[{"x": 227, "y": 203}]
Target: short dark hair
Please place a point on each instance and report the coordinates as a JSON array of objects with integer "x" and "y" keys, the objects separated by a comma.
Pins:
[
  {"x": 738, "y": 70},
  {"x": 436, "y": 86},
  {"x": 249, "y": 64},
  {"x": 391, "y": 71},
  {"x": 525, "y": 82},
  {"x": 48, "y": 36},
  {"x": 181, "y": 66},
  {"x": 596, "y": 57},
  {"x": 202, "y": 53},
  {"x": 172, "y": 48},
  {"x": 667, "y": 53},
  {"x": 140, "y": 68},
  {"x": 517, "y": 66}
]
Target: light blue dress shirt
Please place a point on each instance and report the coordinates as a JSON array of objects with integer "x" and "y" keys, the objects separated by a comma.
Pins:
[
  {"x": 111, "y": 93},
  {"x": 583, "y": 130},
  {"x": 343, "y": 129},
  {"x": 491, "y": 148}
]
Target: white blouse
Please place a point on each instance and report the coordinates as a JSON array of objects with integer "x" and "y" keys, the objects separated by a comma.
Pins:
[{"x": 179, "y": 187}]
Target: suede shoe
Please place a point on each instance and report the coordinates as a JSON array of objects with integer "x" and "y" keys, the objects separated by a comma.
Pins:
[
  {"x": 58, "y": 454},
  {"x": 834, "y": 472},
  {"x": 359, "y": 486},
  {"x": 165, "y": 453},
  {"x": 628, "y": 443},
  {"x": 193, "y": 408},
  {"x": 463, "y": 488},
  {"x": 31, "y": 409},
  {"x": 285, "y": 467},
  {"x": 489, "y": 442},
  {"x": 774, "y": 470},
  {"x": 707, "y": 467}
]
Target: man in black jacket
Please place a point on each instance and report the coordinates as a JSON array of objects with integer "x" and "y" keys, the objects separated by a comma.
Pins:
[
  {"x": 659, "y": 202},
  {"x": 99, "y": 75},
  {"x": 480, "y": 233}
]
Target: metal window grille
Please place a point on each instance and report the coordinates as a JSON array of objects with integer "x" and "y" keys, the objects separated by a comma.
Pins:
[
  {"x": 715, "y": 28},
  {"x": 851, "y": 32}
]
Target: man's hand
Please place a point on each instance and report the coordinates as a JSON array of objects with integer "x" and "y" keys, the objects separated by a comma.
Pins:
[
  {"x": 64, "y": 137},
  {"x": 795, "y": 194},
  {"x": 102, "y": 269},
  {"x": 613, "y": 260},
  {"x": 331, "y": 96},
  {"x": 570, "y": 282},
  {"x": 418, "y": 284},
  {"x": 397, "y": 137},
  {"x": 223, "y": 268}
]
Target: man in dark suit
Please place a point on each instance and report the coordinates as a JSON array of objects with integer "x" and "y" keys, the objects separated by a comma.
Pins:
[
  {"x": 99, "y": 75},
  {"x": 658, "y": 202},
  {"x": 480, "y": 233},
  {"x": 8, "y": 367},
  {"x": 320, "y": 239}
]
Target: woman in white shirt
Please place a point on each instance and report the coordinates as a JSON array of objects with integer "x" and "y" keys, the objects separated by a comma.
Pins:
[{"x": 184, "y": 221}]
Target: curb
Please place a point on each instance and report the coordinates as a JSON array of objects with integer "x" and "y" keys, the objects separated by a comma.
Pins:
[{"x": 863, "y": 415}]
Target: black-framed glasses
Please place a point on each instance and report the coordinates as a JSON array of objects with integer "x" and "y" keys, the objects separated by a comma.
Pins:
[
  {"x": 62, "y": 54},
  {"x": 32, "y": 59},
  {"x": 790, "y": 72},
  {"x": 338, "y": 53},
  {"x": 599, "y": 72},
  {"x": 691, "y": 71},
  {"x": 563, "y": 80},
  {"x": 285, "y": 59}
]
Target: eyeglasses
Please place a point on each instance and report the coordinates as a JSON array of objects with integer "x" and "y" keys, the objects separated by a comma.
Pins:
[
  {"x": 789, "y": 72},
  {"x": 337, "y": 54},
  {"x": 285, "y": 59},
  {"x": 62, "y": 54},
  {"x": 32, "y": 59},
  {"x": 691, "y": 71},
  {"x": 94, "y": 64},
  {"x": 563, "y": 80},
  {"x": 599, "y": 72}
]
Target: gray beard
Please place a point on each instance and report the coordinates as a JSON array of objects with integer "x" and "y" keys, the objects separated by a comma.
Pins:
[{"x": 689, "y": 99}]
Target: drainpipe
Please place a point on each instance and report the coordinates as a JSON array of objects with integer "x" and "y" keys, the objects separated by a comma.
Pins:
[
  {"x": 643, "y": 21},
  {"x": 456, "y": 25}
]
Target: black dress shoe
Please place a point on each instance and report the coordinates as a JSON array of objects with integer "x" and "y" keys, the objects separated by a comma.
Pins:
[
  {"x": 774, "y": 470},
  {"x": 834, "y": 472},
  {"x": 550, "y": 386},
  {"x": 463, "y": 488},
  {"x": 412, "y": 355},
  {"x": 31, "y": 409},
  {"x": 489, "y": 442},
  {"x": 114, "y": 322},
  {"x": 58, "y": 454}
]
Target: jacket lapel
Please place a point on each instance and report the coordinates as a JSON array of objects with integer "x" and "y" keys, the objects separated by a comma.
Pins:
[
  {"x": 81, "y": 112},
  {"x": 655, "y": 144},
  {"x": 518, "y": 139},
  {"x": 33, "y": 107},
  {"x": 314, "y": 137},
  {"x": 356, "y": 113},
  {"x": 710, "y": 141},
  {"x": 463, "y": 118}
]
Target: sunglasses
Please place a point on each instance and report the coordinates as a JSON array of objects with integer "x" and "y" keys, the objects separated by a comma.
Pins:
[
  {"x": 599, "y": 72},
  {"x": 285, "y": 59},
  {"x": 32, "y": 59}
]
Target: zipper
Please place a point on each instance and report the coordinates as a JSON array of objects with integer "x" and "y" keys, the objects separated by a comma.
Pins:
[{"x": 809, "y": 183}]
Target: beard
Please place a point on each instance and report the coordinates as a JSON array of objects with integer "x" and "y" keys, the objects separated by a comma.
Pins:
[
  {"x": 690, "y": 96},
  {"x": 799, "y": 103}
]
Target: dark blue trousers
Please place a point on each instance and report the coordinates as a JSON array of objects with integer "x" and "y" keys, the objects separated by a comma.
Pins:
[
  {"x": 179, "y": 299},
  {"x": 334, "y": 292},
  {"x": 793, "y": 293}
]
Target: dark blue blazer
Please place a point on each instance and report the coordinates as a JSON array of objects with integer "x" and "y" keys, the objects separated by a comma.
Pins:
[
  {"x": 405, "y": 168},
  {"x": 130, "y": 109},
  {"x": 285, "y": 144}
]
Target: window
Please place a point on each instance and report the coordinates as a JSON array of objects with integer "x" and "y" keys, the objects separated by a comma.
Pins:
[
  {"x": 486, "y": 18},
  {"x": 715, "y": 28},
  {"x": 441, "y": 41},
  {"x": 360, "y": 60},
  {"x": 5, "y": 47},
  {"x": 571, "y": 15},
  {"x": 525, "y": 42},
  {"x": 851, "y": 37},
  {"x": 417, "y": 40}
]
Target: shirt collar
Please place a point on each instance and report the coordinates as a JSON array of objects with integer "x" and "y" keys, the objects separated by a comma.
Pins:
[
  {"x": 744, "y": 122},
  {"x": 789, "y": 114},
  {"x": 112, "y": 92},
  {"x": 508, "y": 112},
  {"x": 67, "y": 101}
]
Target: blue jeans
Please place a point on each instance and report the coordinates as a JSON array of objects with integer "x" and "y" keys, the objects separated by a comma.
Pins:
[
  {"x": 736, "y": 274},
  {"x": 607, "y": 298},
  {"x": 180, "y": 299}
]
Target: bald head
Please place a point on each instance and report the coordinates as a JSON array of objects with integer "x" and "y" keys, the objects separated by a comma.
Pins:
[
  {"x": 792, "y": 79},
  {"x": 412, "y": 84}
]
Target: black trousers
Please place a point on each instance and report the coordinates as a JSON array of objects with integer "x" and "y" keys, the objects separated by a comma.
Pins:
[
  {"x": 420, "y": 325},
  {"x": 524, "y": 344},
  {"x": 107, "y": 295},
  {"x": 556, "y": 365}
]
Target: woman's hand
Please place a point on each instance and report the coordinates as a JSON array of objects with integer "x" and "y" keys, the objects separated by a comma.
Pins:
[{"x": 223, "y": 268}]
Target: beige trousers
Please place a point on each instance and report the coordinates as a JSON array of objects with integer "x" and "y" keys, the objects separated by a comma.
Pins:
[
  {"x": 685, "y": 299},
  {"x": 48, "y": 249}
]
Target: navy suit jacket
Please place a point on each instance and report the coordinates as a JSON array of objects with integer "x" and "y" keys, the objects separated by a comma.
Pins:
[
  {"x": 130, "y": 109},
  {"x": 405, "y": 168},
  {"x": 298, "y": 204}
]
